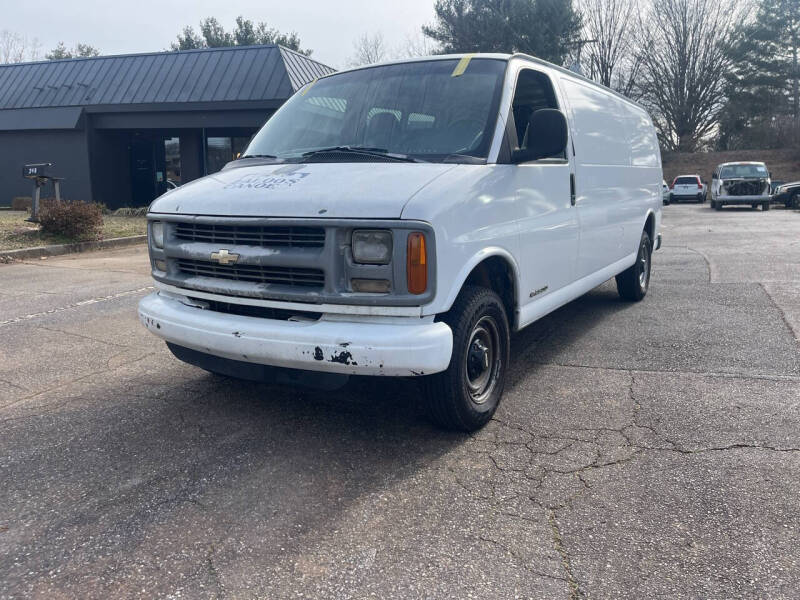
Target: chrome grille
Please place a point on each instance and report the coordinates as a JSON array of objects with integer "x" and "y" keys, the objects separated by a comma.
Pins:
[
  {"x": 288, "y": 276},
  {"x": 267, "y": 236}
]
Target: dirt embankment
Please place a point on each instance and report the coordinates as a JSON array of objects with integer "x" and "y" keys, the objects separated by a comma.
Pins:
[{"x": 784, "y": 164}]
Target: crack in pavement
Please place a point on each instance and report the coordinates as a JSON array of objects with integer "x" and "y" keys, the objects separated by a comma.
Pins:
[
  {"x": 521, "y": 559},
  {"x": 58, "y": 386},
  {"x": 558, "y": 542},
  {"x": 719, "y": 375},
  {"x": 782, "y": 313},
  {"x": 709, "y": 266},
  {"x": 87, "y": 302},
  {"x": 78, "y": 335},
  {"x": 530, "y": 466},
  {"x": 14, "y": 385}
]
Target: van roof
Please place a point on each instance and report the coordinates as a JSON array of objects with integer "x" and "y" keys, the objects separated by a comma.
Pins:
[
  {"x": 497, "y": 56},
  {"x": 743, "y": 162}
]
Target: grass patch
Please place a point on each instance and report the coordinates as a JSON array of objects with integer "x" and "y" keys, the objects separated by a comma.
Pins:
[{"x": 16, "y": 232}]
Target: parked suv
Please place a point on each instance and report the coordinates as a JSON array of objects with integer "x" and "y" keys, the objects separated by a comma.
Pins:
[
  {"x": 740, "y": 183},
  {"x": 787, "y": 194},
  {"x": 687, "y": 187},
  {"x": 402, "y": 220}
]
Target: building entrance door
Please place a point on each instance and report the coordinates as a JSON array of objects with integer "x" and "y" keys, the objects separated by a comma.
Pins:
[{"x": 143, "y": 171}]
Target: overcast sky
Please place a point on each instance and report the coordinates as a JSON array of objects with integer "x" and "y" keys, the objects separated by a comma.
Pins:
[{"x": 329, "y": 27}]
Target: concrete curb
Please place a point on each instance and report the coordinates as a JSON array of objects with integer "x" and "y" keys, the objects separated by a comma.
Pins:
[{"x": 59, "y": 249}]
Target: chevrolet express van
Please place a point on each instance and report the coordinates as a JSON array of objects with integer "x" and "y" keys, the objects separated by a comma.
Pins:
[{"x": 404, "y": 219}]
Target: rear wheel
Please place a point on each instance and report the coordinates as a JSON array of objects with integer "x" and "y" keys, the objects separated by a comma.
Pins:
[
  {"x": 466, "y": 395},
  {"x": 633, "y": 282},
  {"x": 765, "y": 205}
]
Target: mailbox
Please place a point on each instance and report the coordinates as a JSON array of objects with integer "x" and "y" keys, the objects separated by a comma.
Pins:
[
  {"x": 36, "y": 170},
  {"x": 40, "y": 174}
]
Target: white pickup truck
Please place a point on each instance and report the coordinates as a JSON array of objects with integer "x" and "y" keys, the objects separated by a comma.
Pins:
[
  {"x": 403, "y": 220},
  {"x": 741, "y": 183}
]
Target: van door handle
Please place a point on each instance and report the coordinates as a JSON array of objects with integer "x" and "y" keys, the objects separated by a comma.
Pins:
[{"x": 572, "y": 189}]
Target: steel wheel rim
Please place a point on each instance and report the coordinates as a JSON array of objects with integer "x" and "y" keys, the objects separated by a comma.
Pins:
[
  {"x": 644, "y": 265},
  {"x": 482, "y": 359}
]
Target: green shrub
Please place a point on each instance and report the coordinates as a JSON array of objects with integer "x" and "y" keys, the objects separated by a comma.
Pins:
[
  {"x": 77, "y": 220},
  {"x": 21, "y": 203}
]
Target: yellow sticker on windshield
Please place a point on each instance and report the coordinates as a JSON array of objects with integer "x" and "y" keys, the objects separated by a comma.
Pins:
[
  {"x": 462, "y": 65},
  {"x": 308, "y": 87}
]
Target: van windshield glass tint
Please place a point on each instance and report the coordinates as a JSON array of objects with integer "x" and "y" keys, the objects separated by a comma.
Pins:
[
  {"x": 417, "y": 109},
  {"x": 737, "y": 171}
]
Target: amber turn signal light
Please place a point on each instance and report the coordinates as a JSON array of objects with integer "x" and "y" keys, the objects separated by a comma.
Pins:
[{"x": 417, "y": 263}]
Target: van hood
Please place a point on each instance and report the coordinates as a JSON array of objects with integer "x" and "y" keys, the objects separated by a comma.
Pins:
[{"x": 330, "y": 190}]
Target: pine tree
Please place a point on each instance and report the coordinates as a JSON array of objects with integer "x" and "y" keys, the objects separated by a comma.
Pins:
[
  {"x": 213, "y": 35},
  {"x": 763, "y": 107},
  {"x": 544, "y": 28}
]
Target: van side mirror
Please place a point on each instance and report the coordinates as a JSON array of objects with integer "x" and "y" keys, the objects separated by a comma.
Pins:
[
  {"x": 547, "y": 136},
  {"x": 713, "y": 176}
]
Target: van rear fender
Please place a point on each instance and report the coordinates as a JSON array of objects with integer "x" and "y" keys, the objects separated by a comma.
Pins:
[{"x": 650, "y": 225}]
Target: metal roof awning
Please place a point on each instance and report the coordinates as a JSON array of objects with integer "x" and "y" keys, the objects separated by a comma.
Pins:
[
  {"x": 63, "y": 117},
  {"x": 158, "y": 81}
]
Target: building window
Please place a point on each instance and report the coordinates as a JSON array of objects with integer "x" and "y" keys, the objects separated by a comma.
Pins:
[
  {"x": 218, "y": 153},
  {"x": 172, "y": 154},
  {"x": 221, "y": 150}
]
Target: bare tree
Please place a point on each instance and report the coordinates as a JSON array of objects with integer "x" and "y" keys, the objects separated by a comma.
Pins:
[
  {"x": 417, "y": 45},
  {"x": 684, "y": 51},
  {"x": 16, "y": 48},
  {"x": 611, "y": 28},
  {"x": 368, "y": 49}
]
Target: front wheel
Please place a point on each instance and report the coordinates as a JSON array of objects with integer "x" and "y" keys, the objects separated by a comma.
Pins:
[
  {"x": 466, "y": 395},
  {"x": 765, "y": 206},
  {"x": 633, "y": 282}
]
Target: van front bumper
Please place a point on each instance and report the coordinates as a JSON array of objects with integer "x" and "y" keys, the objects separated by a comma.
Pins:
[
  {"x": 742, "y": 199},
  {"x": 355, "y": 346}
]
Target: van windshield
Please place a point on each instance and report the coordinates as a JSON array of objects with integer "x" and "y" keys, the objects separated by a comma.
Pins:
[
  {"x": 425, "y": 110},
  {"x": 736, "y": 171}
]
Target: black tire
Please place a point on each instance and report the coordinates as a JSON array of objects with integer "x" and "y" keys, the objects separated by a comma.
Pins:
[
  {"x": 633, "y": 282},
  {"x": 765, "y": 206},
  {"x": 466, "y": 395}
]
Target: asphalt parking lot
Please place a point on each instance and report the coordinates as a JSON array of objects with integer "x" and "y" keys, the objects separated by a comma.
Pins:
[{"x": 641, "y": 451}]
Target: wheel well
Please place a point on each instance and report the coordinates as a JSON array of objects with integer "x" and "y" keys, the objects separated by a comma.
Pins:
[
  {"x": 650, "y": 227},
  {"x": 497, "y": 274}
]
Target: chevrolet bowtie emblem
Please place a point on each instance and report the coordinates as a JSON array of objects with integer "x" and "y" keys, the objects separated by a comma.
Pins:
[{"x": 224, "y": 257}]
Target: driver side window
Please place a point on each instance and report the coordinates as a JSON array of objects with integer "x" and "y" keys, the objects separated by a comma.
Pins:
[{"x": 534, "y": 92}]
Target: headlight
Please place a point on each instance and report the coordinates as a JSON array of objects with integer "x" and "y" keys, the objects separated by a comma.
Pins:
[
  {"x": 157, "y": 234},
  {"x": 372, "y": 246}
]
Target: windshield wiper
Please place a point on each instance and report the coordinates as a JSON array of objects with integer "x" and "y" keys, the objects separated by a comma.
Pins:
[
  {"x": 363, "y": 151},
  {"x": 257, "y": 156}
]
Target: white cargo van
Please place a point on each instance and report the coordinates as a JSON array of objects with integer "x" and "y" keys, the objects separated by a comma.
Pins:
[{"x": 403, "y": 220}]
